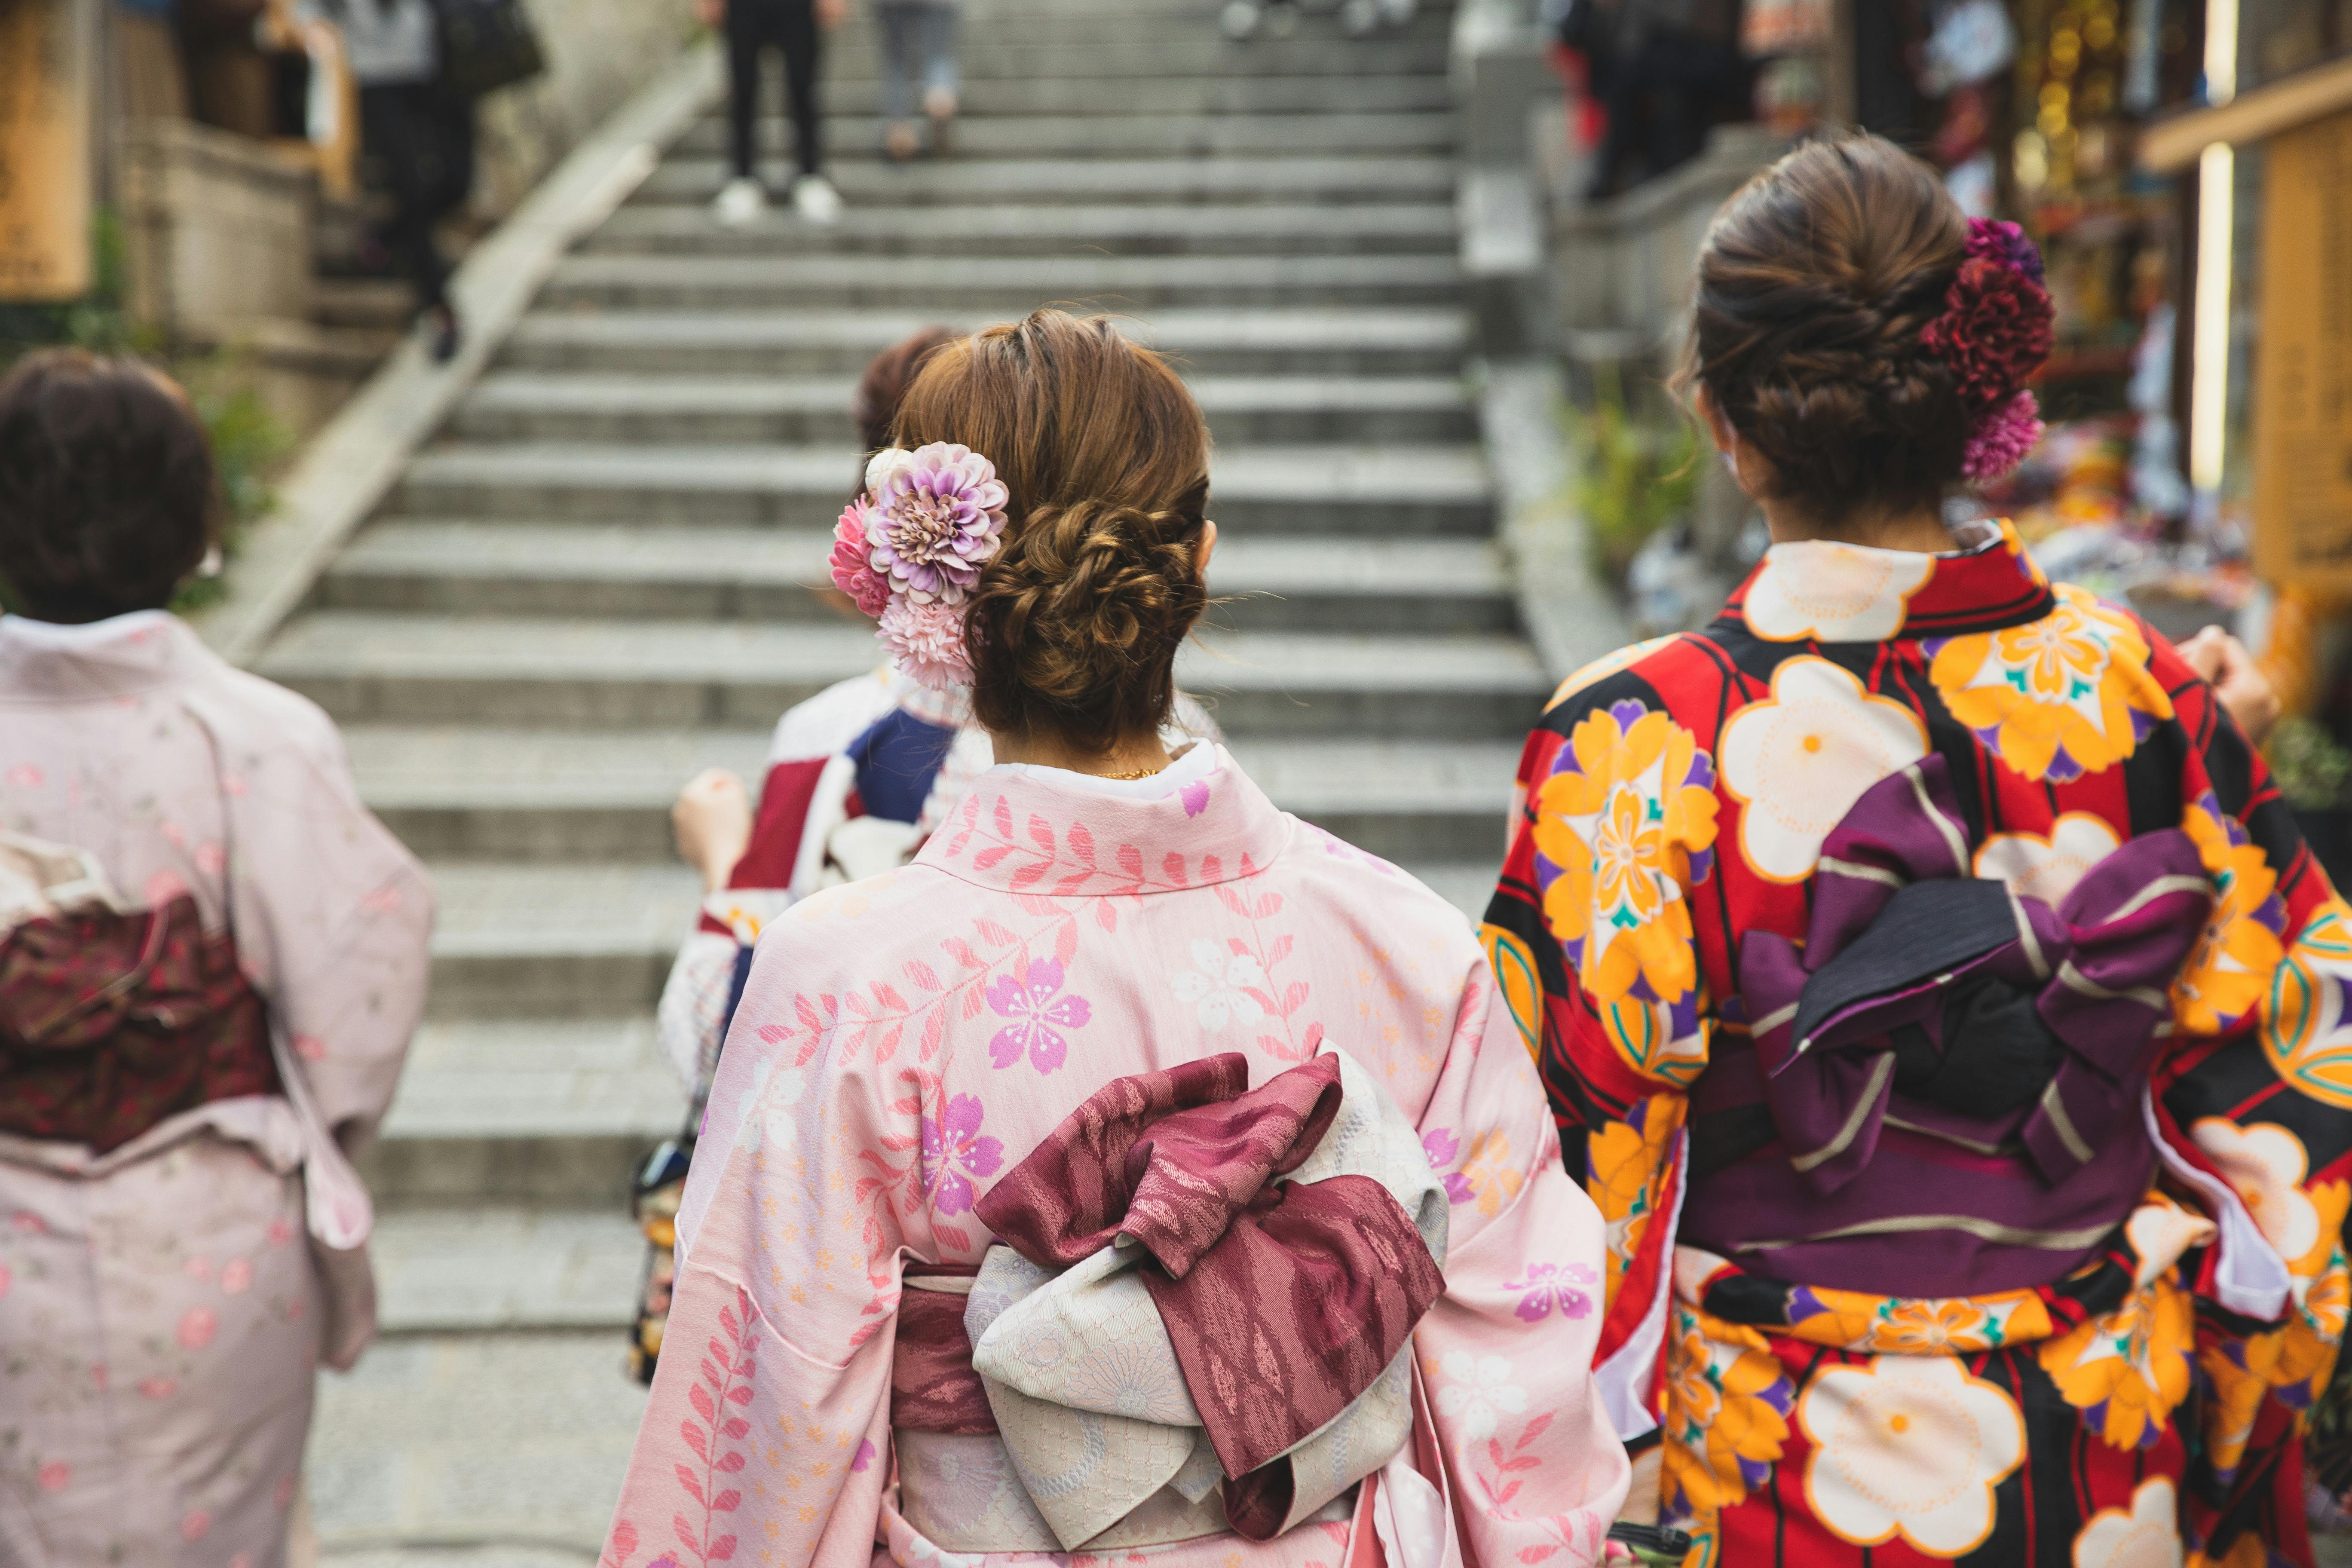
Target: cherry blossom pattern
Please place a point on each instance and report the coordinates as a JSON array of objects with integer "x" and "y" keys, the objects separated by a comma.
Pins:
[
  {"x": 1832, "y": 592},
  {"x": 1799, "y": 760},
  {"x": 2145, "y": 1535},
  {"x": 2047, "y": 868},
  {"x": 1547, "y": 1284},
  {"x": 1039, "y": 1012},
  {"x": 1443, "y": 1148},
  {"x": 954, "y": 1151},
  {"x": 768, "y": 1118},
  {"x": 1908, "y": 1445},
  {"x": 1219, "y": 984},
  {"x": 1477, "y": 1394}
]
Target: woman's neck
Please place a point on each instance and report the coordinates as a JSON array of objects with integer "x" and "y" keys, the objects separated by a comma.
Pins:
[
  {"x": 1920, "y": 529},
  {"x": 1134, "y": 757}
]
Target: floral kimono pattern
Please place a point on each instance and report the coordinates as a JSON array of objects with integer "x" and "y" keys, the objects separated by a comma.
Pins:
[
  {"x": 2143, "y": 1390},
  {"x": 905, "y": 1042}
]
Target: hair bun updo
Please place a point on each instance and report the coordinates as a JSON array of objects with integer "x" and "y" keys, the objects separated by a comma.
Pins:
[
  {"x": 1817, "y": 284},
  {"x": 1074, "y": 625}
]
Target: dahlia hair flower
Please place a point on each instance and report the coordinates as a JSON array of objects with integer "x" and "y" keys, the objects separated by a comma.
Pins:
[
  {"x": 926, "y": 639},
  {"x": 1996, "y": 330},
  {"x": 2002, "y": 438},
  {"x": 851, "y": 573},
  {"x": 933, "y": 519},
  {"x": 1997, "y": 239}
]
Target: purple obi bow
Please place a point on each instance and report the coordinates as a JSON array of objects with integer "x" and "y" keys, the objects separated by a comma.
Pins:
[{"x": 1899, "y": 921}]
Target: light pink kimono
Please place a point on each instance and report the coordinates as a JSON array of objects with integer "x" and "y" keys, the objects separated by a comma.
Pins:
[
  {"x": 904, "y": 1039},
  {"x": 164, "y": 1306}
]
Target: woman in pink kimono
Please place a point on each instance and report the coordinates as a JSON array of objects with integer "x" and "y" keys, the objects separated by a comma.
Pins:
[
  {"x": 1140, "y": 1169},
  {"x": 210, "y": 961}
]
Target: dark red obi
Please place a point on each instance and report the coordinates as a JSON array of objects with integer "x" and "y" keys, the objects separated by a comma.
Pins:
[{"x": 109, "y": 1023}]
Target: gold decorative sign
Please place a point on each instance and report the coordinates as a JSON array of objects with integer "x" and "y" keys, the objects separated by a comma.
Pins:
[
  {"x": 2302, "y": 408},
  {"x": 45, "y": 72}
]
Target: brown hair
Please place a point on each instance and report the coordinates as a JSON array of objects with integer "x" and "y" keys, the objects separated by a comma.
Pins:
[
  {"x": 107, "y": 499},
  {"x": 1815, "y": 282},
  {"x": 1074, "y": 626},
  {"x": 884, "y": 386}
]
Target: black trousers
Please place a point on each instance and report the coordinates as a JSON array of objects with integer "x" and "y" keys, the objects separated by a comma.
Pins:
[
  {"x": 752, "y": 27},
  {"x": 420, "y": 140}
]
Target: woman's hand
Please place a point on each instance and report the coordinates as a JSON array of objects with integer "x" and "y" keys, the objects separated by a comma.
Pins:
[
  {"x": 2246, "y": 693},
  {"x": 831, "y": 13},
  {"x": 712, "y": 821}
]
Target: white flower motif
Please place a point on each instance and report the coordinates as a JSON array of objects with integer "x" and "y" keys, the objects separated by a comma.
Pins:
[
  {"x": 1838, "y": 593},
  {"x": 2265, "y": 1162},
  {"x": 1478, "y": 1392},
  {"x": 2047, "y": 869},
  {"x": 1908, "y": 1445},
  {"x": 2148, "y": 1536},
  {"x": 1798, "y": 760},
  {"x": 766, "y": 1116},
  {"x": 1219, "y": 984},
  {"x": 2159, "y": 1233}
]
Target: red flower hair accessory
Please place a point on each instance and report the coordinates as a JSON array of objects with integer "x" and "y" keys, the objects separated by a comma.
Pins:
[{"x": 1996, "y": 330}]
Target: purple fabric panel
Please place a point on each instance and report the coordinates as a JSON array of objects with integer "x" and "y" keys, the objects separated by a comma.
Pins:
[
  {"x": 1887, "y": 831},
  {"x": 1772, "y": 976}
]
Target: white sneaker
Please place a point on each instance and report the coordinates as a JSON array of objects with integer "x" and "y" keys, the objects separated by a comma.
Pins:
[
  {"x": 740, "y": 202},
  {"x": 1240, "y": 18},
  {"x": 815, "y": 199}
]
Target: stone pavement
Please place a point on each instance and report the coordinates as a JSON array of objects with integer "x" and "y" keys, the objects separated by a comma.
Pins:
[{"x": 603, "y": 577}]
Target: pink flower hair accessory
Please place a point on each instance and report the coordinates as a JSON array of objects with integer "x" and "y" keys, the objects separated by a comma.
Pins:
[
  {"x": 911, "y": 547},
  {"x": 1996, "y": 328}
]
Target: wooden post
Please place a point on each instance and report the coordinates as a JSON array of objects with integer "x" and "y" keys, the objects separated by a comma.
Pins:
[
  {"x": 49, "y": 56},
  {"x": 2302, "y": 408}
]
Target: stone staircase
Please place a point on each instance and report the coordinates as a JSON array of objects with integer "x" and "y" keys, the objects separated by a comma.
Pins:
[{"x": 603, "y": 577}]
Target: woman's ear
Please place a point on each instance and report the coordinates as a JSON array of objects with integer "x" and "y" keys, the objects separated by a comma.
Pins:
[
  {"x": 1726, "y": 439},
  {"x": 1208, "y": 548}
]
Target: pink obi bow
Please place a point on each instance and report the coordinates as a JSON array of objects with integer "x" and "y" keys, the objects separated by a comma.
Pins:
[{"x": 1202, "y": 1287}]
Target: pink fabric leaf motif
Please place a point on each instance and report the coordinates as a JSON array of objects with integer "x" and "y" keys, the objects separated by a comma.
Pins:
[
  {"x": 1550, "y": 1284},
  {"x": 954, "y": 1151},
  {"x": 197, "y": 1327},
  {"x": 623, "y": 1544},
  {"x": 54, "y": 1477},
  {"x": 1038, "y": 1013}
]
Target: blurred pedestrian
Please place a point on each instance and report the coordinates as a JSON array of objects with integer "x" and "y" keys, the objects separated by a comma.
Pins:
[
  {"x": 795, "y": 30},
  {"x": 211, "y": 960},
  {"x": 416, "y": 137},
  {"x": 919, "y": 50}
]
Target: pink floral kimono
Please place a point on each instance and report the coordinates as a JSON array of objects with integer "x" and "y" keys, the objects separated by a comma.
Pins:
[
  {"x": 179, "y": 1247},
  {"x": 915, "y": 1320}
]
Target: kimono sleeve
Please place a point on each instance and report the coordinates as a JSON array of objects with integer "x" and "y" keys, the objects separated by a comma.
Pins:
[
  {"x": 1600, "y": 972},
  {"x": 768, "y": 1423},
  {"x": 1531, "y": 1458}
]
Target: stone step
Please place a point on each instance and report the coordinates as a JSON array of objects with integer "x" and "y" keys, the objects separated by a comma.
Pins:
[
  {"x": 1265, "y": 583},
  {"x": 1002, "y": 229},
  {"x": 366, "y": 666},
  {"x": 854, "y": 137},
  {"x": 1010, "y": 90},
  {"x": 457, "y": 794},
  {"x": 546, "y": 1109},
  {"x": 1006, "y": 284},
  {"x": 1303, "y": 341},
  {"x": 523, "y": 406},
  {"x": 989, "y": 54},
  {"x": 565, "y": 941},
  {"x": 489, "y": 1266},
  {"x": 871, "y": 187},
  {"x": 1355, "y": 491},
  {"x": 365, "y": 304}
]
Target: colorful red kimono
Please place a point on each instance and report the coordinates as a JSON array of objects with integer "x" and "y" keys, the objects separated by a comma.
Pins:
[{"x": 1873, "y": 1315}]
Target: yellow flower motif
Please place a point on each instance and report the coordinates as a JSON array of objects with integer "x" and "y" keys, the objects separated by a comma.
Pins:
[
  {"x": 1933, "y": 1328},
  {"x": 1626, "y": 1164},
  {"x": 1726, "y": 1420},
  {"x": 2057, "y": 698},
  {"x": 2133, "y": 1361},
  {"x": 2230, "y": 971},
  {"x": 1488, "y": 1166},
  {"x": 2304, "y": 1032},
  {"x": 1896, "y": 1325},
  {"x": 1621, "y": 823}
]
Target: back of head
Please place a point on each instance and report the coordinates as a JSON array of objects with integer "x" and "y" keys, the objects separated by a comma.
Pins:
[
  {"x": 1074, "y": 625},
  {"x": 1817, "y": 284},
  {"x": 875, "y": 404},
  {"x": 107, "y": 493}
]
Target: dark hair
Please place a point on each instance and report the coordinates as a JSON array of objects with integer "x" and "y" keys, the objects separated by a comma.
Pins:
[
  {"x": 107, "y": 499},
  {"x": 1814, "y": 283},
  {"x": 884, "y": 385},
  {"x": 1074, "y": 626}
]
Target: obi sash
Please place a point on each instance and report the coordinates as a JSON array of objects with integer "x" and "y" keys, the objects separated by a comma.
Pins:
[
  {"x": 1942, "y": 1093},
  {"x": 112, "y": 1020},
  {"x": 1198, "y": 1319}
]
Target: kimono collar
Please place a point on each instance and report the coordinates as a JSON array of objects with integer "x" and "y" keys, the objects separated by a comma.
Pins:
[
  {"x": 1829, "y": 592},
  {"x": 120, "y": 656},
  {"x": 1031, "y": 833}
]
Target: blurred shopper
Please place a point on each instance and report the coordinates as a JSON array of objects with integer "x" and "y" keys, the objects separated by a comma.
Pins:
[
  {"x": 417, "y": 138},
  {"x": 211, "y": 960},
  {"x": 1934, "y": 936},
  {"x": 795, "y": 28},
  {"x": 1665, "y": 73},
  {"x": 919, "y": 52}
]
